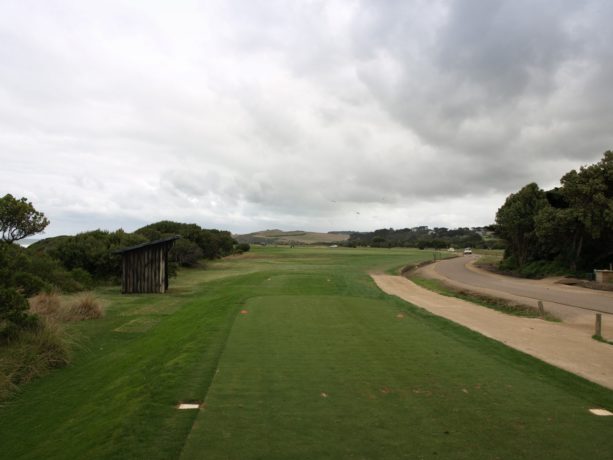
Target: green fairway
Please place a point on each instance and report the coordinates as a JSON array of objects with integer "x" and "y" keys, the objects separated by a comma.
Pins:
[{"x": 297, "y": 354}]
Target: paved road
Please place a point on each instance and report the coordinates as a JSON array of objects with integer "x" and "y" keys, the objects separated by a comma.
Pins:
[
  {"x": 460, "y": 269},
  {"x": 573, "y": 304}
]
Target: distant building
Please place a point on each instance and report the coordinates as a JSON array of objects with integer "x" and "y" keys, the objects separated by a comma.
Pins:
[{"x": 145, "y": 266}]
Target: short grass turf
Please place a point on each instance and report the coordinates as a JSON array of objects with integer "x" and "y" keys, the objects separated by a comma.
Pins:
[
  {"x": 297, "y": 354},
  {"x": 307, "y": 377}
]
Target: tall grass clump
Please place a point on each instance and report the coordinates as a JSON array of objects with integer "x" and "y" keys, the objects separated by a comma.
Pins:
[
  {"x": 32, "y": 353},
  {"x": 46, "y": 304},
  {"x": 86, "y": 307}
]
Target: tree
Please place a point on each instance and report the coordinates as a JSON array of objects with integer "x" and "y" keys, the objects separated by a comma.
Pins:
[
  {"x": 186, "y": 253},
  {"x": 213, "y": 243},
  {"x": 19, "y": 219},
  {"x": 515, "y": 221},
  {"x": 571, "y": 224},
  {"x": 93, "y": 252},
  {"x": 242, "y": 247},
  {"x": 587, "y": 213},
  {"x": 13, "y": 305}
]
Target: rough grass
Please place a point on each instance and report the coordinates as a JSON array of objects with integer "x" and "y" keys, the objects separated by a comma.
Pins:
[
  {"x": 50, "y": 305},
  {"x": 489, "y": 261},
  {"x": 84, "y": 308},
  {"x": 33, "y": 353},
  {"x": 46, "y": 304}
]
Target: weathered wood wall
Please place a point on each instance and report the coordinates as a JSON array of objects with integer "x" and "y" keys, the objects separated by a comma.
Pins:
[{"x": 145, "y": 269}]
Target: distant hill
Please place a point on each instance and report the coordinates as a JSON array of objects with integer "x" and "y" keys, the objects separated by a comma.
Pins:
[{"x": 294, "y": 237}]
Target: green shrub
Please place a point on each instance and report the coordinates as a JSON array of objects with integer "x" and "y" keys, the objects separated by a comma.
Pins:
[
  {"x": 29, "y": 284},
  {"x": 186, "y": 253},
  {"x": 242, "y": 247},
  {"x": 13, "y": 313},
  {"x": 213, "y": 243},
  {"x": 542, "y": 268},
  {"x": 82, "y": 277},
  {"x": 53, "y": 273},
  {"x": 93, "y": 253}
]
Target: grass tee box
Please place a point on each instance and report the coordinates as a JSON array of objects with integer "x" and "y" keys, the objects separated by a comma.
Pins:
[
  {"x": 295, "y": 353},
  {"x": 346, "y": 377}
]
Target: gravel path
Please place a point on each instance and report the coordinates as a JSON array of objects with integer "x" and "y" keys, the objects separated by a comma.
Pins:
[{"x": 559, "y": 344}]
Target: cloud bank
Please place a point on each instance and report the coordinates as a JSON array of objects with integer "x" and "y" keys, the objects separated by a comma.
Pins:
[{"x": 318, "y": 115}]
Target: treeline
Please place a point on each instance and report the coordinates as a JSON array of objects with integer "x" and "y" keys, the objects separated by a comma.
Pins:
[
  {"x": 93, "y": 252},
  {"x": 424, "y": 237},
  {"x": 566, "y": 229}
]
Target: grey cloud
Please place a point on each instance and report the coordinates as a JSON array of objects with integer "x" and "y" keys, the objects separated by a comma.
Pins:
[
  {"x": 248, "y": 114},
  {"x": 494, "y": 80},
  {"x": 507, "y": 48}
]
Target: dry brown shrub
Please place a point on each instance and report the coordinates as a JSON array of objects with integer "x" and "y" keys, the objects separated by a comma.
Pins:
[
  {"x": 46, "y": 304},
  {"x": 86, "y": 307}
]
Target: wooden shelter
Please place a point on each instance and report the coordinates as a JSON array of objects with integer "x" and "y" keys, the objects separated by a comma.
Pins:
[{"x": 145, "y": 266}]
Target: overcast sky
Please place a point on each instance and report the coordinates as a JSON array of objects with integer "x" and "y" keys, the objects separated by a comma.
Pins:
[{"x": 314, "y": 115}]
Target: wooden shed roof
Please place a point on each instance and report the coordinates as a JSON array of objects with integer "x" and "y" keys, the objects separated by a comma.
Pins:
[{"x": 168, "y": 239}]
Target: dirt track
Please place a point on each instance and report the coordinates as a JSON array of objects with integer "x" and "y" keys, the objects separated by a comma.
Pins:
[
  {"x": 556, "y": 343},
  {"x": 576, "y": 306}
]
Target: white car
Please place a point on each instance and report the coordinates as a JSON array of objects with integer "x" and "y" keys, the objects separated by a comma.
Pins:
[{"x": 468, "y": 251}]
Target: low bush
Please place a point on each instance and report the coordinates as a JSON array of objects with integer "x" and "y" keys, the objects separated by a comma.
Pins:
[
  {"x": 186, "y": 253},
  {"x": 82, "y": 277},
  {"x": 29, "y": 284},
  {"x": 50, "y": 271},
  {"x": 542, "y": 268},
  {"x": 536, "y": 269},
  {"x": 241, "y": 248},
  {"x": 13, "y": 314}
]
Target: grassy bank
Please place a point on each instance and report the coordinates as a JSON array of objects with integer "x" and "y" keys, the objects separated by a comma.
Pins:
[
  {"x": 297, "y": 354},
  {"x": 494, "y": 303}
]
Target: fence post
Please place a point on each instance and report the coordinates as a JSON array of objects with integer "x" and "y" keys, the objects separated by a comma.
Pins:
[
  {"x": 598, "y": 325},
  {"x": 541, "y": 308}
]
